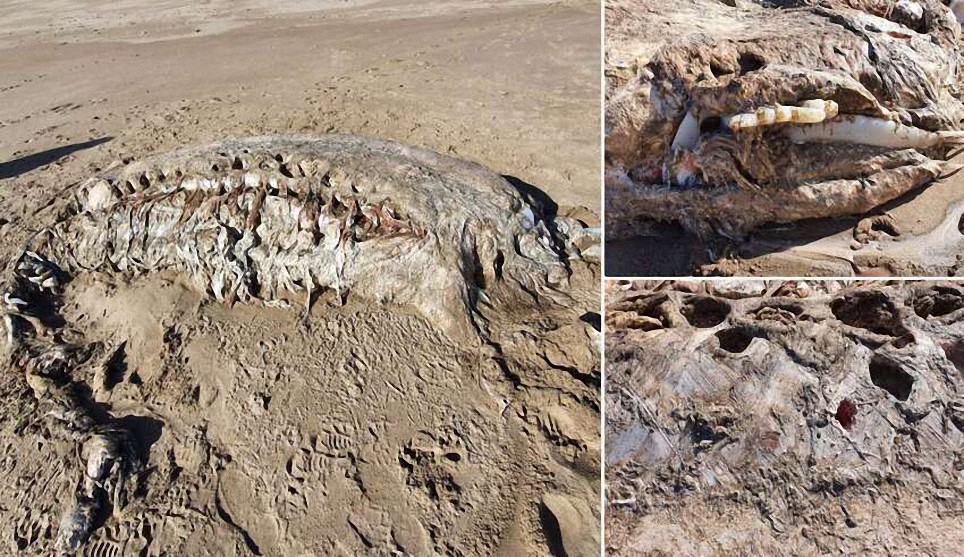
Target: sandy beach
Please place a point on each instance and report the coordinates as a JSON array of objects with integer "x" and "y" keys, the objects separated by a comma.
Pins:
[{"x": 353, "y": 425}]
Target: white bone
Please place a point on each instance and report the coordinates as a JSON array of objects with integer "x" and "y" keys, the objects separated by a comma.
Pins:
[
  {"x": 911, "y": 8},
  {"x": 101, "y": 455},
  {"x": 100, "y": 196},
  {"x": 8, "y": 324},
  {"x": 865, "y": 130}
]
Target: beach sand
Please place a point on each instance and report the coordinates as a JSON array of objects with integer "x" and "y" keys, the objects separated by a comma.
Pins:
[{"x": 363, "y": 428}]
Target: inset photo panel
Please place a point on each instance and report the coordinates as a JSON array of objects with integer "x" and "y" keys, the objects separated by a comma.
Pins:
[
  {"x": 783, "y": 138},
  {"x": 784, "y": 417}
]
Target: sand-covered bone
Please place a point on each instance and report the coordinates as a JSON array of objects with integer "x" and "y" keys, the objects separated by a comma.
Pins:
[
  {"x": 784, "y": 417},
  {"x": 280, "y": 221},
  {"x": 709, "y": 111},
  {"x": 37, "y": 345},
  {"x": 271, "y": 218}
]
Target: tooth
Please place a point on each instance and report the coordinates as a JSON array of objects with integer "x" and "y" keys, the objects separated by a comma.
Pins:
[
  {"x": 10, "y": 300},
  {"x": 688, "y": 134},
  {"x": 877, "y": 132},
  {"x": 766, "y": 116},
  {"x": 829, "y": 108},
  {"x": 811, "y": 112},
  {"x": 808, "y": 115},
  {"x": 743, "y": 122}
]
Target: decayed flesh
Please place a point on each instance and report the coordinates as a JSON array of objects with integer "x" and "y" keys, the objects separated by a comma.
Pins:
[
  {"x": 766, "y": 97},
  {"x": 784, "y": 417}
]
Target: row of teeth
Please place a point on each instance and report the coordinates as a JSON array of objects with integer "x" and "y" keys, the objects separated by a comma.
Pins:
[
  {"x": 811, "y": 112},
  {"x": 36, "y": 270},
  {"x": 819, "y": 121}
]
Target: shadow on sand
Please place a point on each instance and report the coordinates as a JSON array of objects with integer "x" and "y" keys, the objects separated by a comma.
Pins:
[{"x": 25, "y": 164}]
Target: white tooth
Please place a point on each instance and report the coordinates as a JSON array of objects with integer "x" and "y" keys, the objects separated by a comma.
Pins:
[
  {"x": 743, "y": 122},
  {"x": 832, "y": 109},
  {"x": 784, "y": 113},
  {"x": 688, "y": 134},
  {"x": 8, "y": 299},
  {"x": 864, "y": 130},
  {"x": 829, "y": 108},
  {"x": 807, "y": 115},
  {"x": 766, "y": 116},
  {"x": 811, "y": 112}
]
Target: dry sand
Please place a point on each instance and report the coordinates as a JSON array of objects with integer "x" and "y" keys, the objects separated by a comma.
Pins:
[
  {"x": 362, "y": 429},
  {"x": 513, "y": 86}
]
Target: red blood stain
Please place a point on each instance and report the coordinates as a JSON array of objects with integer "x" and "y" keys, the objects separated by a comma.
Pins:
[{"x": 846, "y": 413}]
